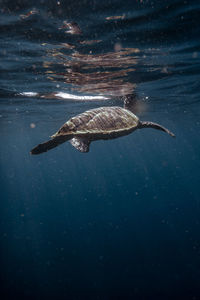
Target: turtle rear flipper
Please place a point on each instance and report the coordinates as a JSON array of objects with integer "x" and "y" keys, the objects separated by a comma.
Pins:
[
  {"x": 44, "y": 147},
  {"x": 81, "y": 144}
]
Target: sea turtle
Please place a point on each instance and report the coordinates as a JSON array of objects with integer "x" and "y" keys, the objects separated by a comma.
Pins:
[{"x": 99, "y": 123}]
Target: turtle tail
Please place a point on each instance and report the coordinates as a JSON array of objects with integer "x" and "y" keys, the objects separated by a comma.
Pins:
[
  {"x": 46, "y": 146},
  {"x": 146, "y": 124}
]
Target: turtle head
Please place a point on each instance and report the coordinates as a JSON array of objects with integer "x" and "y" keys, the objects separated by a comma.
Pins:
[{"x": 146, "y": 124}]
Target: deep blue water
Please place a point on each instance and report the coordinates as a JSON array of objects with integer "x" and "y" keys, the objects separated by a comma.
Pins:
[{"x": 122, "y": 221}]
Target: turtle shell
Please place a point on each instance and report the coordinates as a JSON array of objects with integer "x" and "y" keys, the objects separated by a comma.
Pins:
[{"x": 103, "y": 120}]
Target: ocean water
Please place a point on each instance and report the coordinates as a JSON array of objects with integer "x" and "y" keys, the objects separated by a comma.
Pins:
[{"x": 122, "y": 221}]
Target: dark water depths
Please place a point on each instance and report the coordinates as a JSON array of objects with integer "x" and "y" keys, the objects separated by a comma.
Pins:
[{"x": 122, "y": 221}]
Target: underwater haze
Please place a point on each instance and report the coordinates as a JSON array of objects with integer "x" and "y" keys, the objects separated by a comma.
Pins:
[{"x": 122, "y": 221}]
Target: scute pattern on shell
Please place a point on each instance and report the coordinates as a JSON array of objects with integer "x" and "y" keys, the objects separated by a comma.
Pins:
[{"x": 100, "y": 120}]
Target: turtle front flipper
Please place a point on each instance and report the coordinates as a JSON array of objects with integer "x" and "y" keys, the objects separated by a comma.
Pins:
[
  {"x": 46, "y": 146},
  {"x": 81, "y": 144}
]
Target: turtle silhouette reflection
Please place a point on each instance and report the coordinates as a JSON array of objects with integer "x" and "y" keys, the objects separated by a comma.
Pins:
[
  {"x": 104, "y": 74},
  {"x": 95, "y": 124}
]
